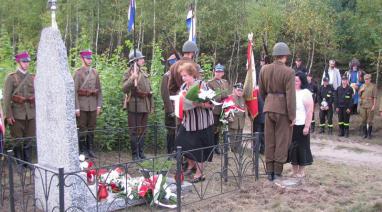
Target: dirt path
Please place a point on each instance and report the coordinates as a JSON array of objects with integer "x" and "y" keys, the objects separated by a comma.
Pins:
[{"x": 342, "y": 150}]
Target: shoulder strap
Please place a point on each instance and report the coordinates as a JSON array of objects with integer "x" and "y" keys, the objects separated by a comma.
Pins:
[
  {"x": 86, "y": 78},
  {"x": 21, "y": 84}
]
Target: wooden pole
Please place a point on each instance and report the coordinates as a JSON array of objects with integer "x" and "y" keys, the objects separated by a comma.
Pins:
[{"x": 378, "y": 62}]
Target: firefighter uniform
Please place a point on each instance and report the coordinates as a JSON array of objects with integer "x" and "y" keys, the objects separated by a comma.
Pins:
[
  {"x": 326, "y": 99},
  {"x": 343, "y": 104}
]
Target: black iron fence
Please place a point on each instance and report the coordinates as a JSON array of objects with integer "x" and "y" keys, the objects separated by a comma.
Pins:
[{"x": 115, "y": 182}]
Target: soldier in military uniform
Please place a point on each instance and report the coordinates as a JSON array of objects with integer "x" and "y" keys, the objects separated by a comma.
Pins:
[
  {"x": 277, "y": 88},
  {"x": 221, "y": 87},
  {"x": 139, "y": 102},
  {"x": 237, "y": 120},
  {"x": 326, "y": 99},
  {"x": 169, "y": 119},
  {"x": 19, "y": 106},
  {"x": 343, "y": 104},
  {"x": 88, "y": 100},
  {"x": 189, "y": 50},
  {"x": 368, "y": 95},
  {"x": 313, "y": 88}
]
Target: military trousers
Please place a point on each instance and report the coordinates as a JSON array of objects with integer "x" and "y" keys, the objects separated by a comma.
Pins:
[
  {"x": 235, "y": 139},
  {"x": 343, "y": 118},
  {"x": 137, "y": 129},
  {"x": 367, "y": 116},
  {"x": 170, "y": 122},
  {"x": 326, "y": 115},
  {"x": 86, "y": 122},
  {"x": 278, "y": 137},
  {"x": 23, "y": 129},
  {"x": 217, "y": 126}
]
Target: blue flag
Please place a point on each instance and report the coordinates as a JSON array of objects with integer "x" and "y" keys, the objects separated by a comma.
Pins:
[
  {"x": 131, "y": 14},
  {"x": 191, "y": 25}
]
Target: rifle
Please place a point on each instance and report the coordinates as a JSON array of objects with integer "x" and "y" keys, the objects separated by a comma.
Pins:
[
  {"x": 173, "y": 49},
  {"x": 265, "y": 48}
]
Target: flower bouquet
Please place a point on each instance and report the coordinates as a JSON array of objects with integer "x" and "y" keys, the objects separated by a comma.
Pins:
[
  {"x": 229, "y": 110},
  {"x": 196, "y": 94}
]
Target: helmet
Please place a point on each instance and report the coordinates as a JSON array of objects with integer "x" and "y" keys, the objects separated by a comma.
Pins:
[
  {"x": 280, "y": 49},
  {"x": 138, "y": 55},
  {"x": 189, "y": 46}
]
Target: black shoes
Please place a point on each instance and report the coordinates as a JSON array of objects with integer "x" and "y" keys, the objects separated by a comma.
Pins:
[{"x": 272, "y": 176}]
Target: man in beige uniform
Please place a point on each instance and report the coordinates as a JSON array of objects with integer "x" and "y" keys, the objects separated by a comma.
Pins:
[
  {"x": 139, "y": 102},
  {"x": 19, "y": 106},
  {"x": 368, "y": 95},
  {"x": 88, "y": 100},
  {"x": 277, "y": 87},
  {"x": 237, "y": 119},
  {"x": 221, "y": 87}
]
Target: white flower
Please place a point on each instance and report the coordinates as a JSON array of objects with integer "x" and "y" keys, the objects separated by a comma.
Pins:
[
  {"x": 84, "y": 165},
  {"x": 157, "y": 187},
  {"x": 81, "y": 157},
  {"x": 206, "y": 94}
]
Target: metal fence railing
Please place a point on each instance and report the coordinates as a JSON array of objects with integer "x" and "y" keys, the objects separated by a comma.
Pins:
[{"x": 27, "y": 186}]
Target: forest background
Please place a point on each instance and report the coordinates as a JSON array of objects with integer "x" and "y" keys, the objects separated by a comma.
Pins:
[{"x": 315, "y": 30}]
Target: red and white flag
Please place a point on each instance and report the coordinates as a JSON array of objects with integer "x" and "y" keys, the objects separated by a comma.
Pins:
[
  {"x": 250, "y": 89},
  {"x": 178, "y": 104}
]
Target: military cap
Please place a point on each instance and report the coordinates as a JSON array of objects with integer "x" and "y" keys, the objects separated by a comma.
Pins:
[
  {"x": 325, "y": 79},
  {"x": 219, "y": 68},
  {"x": 344, "y": 77},
  {"x": 238, "y": 85},
  {"x": 23, "y": 57},
  {"x": 87, "y": 53}
]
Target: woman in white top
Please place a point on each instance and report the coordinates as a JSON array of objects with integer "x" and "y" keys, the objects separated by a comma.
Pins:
[{"x": 299, "y": 152}]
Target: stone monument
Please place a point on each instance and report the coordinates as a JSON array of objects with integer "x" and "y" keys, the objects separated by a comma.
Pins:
[{"x": 56, "y": 129}]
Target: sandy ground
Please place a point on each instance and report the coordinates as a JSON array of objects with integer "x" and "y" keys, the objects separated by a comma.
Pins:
[{"x": 345, "y": 176}]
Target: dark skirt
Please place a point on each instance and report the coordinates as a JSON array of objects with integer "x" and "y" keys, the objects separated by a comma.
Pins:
[
  {"x": 299, "y": 151},
  {"x": 197, "y": 144}
]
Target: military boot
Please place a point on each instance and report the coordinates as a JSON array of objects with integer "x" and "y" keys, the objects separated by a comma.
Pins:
[
  {"x": 369, "y": 132},
  {"x": 82, "y": 143},
  {"x": 141, "y": 144},
  {"x": 322, "y": 130},
  {"x": 365, "y": 131},
  {"x": 134, "y": 148},
  {"x": 90, "y": 144}
]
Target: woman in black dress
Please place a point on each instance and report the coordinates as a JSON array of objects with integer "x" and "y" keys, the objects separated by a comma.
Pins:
[
  {"x": 196, "y": 130},
  {"x": 299, "y": 151}
]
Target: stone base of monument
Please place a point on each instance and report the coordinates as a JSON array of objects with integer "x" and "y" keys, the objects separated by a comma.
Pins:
[
  {"x": 186, "y": 186},
  {"x": 288, "y": 182}
]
